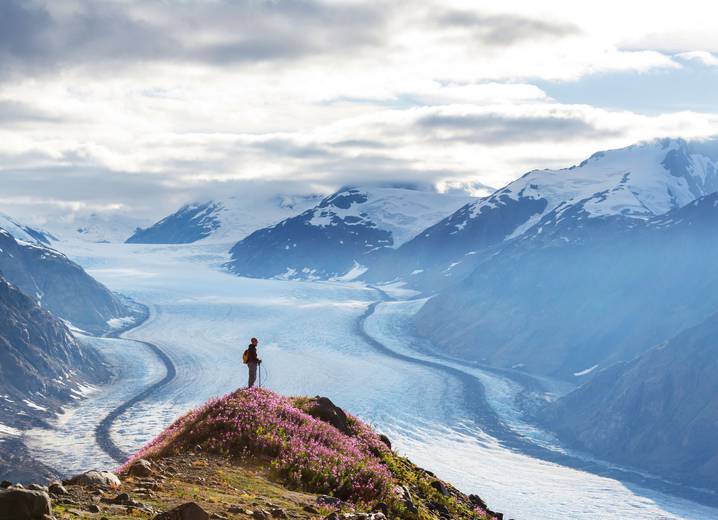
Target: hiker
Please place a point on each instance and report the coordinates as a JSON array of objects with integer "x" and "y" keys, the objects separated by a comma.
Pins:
[{"x": 252, "y": 361}]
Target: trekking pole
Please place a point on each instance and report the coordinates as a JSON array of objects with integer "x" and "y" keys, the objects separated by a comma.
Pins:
[{"x": 260, "y": 375}]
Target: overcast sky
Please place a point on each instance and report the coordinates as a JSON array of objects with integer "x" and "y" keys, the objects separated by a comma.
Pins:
[{"x": 137, "y": 106}]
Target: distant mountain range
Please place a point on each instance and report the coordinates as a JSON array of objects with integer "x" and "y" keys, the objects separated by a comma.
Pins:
[
  {"x": 638, "y": 182},
  {"x": 227, "y": 220},
  {"x": 343, "y": 234}
]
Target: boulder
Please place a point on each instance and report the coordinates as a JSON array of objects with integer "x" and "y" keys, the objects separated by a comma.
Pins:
[
  {"x": 24, "y": 504},
  {"x": 56, "y": 488},
  {"x": 440, "y": 487},
  {"x": 383, "y": 438},
  {"x": 323, "y": 409},
  {"x": 188, "y": 511},
  {"x": 140, "y": 468},
  {"x": 329, "y": 501},
  {"x": 95, "y": 478}
]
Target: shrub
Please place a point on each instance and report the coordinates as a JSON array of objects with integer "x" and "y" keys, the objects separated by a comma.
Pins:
[{"x": 306, "y": 452}]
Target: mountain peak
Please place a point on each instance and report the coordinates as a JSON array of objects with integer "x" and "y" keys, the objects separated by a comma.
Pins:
[
  {"x": 344, "y": 233},
  {"x": 638, "y": 182}
]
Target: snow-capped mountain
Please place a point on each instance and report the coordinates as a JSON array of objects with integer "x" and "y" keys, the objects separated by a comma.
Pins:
[
  {"x": 567, "y": 300},
  {"x": 342, "y": 234},
  {"x": 638, "y": 182},
  {"x": 58, "y": 284},
  {"x": 227, "y": 220}
]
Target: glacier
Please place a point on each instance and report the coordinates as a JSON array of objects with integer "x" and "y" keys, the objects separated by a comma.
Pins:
[{"x": 311, "y": 344}]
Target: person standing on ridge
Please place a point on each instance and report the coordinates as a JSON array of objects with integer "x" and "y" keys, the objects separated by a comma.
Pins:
[{"x": 252, "y": 361}]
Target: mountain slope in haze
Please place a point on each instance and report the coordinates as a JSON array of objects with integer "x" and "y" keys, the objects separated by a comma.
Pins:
[
  {"x": 60, "y": 285},
  {"x": 40, "y": 357},
  {"x": 342, "y": 234},
  {"x": 638, "y": 182},
  {"x": 41, "y": 368},
  {"x": 227, "y": 220},
  {"x": 581, "y": 294},
  {"x": 23, "y": 232},
  {"x": 657, "y": 412}
]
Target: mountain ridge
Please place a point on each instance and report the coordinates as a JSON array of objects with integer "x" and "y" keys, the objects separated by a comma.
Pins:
[
  {"x": 637, "y": 182},
  {"x": 343, "y": 234}
]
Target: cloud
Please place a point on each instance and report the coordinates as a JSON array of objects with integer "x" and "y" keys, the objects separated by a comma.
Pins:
[
  {"x": 18, "y": 112},
  {"x": 498, "y": 128},
  {"x": 504, "y": 29},
  {"x": 706, "y": 58},
  {"x": 163, "y": 102},
  {"x": 39, "y": 37}
]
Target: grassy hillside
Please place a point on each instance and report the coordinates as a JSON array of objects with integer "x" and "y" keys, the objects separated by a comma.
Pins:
[{"x": 256, "y": 454}]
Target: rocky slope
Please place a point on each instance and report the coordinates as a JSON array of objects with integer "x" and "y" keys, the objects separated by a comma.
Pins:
[
  {"x": 41, "y": 368},
  {"x": 255, "y": 454},
  {"x": 580, "y": 294},
  {"x": 60, "y": 285},
  {"x": 658, "y": 411},
  {"x": 341, "y": 235}
]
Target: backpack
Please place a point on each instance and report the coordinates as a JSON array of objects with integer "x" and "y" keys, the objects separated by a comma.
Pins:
[{"x": 245, "y": 357}]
